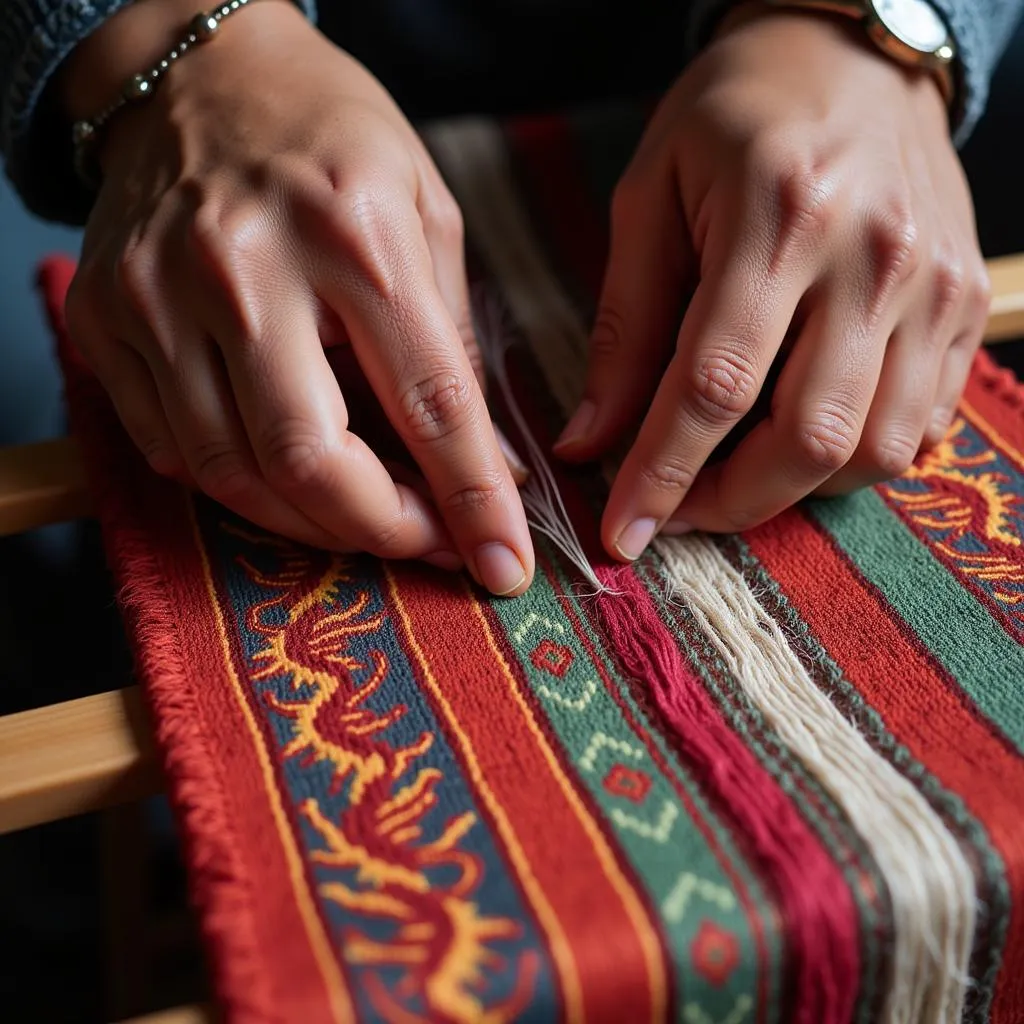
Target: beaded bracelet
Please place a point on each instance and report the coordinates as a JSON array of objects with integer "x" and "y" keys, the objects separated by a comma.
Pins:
[{"x": 85, "y": 133}]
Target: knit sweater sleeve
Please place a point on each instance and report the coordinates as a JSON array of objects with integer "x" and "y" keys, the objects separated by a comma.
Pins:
[
  {"x": 981, "y": 28},
  {"x": 35, "y": 36}
]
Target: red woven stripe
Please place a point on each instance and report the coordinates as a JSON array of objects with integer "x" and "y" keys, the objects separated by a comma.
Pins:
[
  {"x": 601, "y": 936},
  {"x": 241, "y": 884},
  {"x": 819, "y": 918},
  {"x": 922, "y": 708}
]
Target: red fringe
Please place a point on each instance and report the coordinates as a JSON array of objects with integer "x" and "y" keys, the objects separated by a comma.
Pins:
[{"x": 221, "y": 887}]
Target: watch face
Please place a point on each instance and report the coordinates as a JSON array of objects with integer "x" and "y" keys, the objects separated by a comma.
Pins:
[{"x": 915, "y": 22}]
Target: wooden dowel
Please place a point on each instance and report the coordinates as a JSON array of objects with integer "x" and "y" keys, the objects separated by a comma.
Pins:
[
  {"x": 40, "y": 484},
  {"x": 78, "y": 756}
]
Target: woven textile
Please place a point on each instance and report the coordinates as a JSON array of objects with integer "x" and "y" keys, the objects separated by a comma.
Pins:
[{"x": 771, "y": 778}]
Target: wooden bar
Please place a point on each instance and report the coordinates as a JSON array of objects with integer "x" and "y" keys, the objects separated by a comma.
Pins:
[
  {"x": 40, "y": 484},
  {"x": 74, "y": 757},
  {"x": 1006, "y": 316}
]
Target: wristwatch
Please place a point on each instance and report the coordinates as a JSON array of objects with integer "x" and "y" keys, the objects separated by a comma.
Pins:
[{"x": 911, "y": 32}]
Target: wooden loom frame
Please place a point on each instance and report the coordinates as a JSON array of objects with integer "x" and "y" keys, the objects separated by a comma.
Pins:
[{"x": 96, "y": 752}]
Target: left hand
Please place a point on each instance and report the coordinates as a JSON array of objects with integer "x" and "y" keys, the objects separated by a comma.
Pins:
[{"x": 806, "y": 186}]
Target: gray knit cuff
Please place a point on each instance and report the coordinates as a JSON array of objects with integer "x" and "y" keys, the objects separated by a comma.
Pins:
[
  {"x": 35, "y": 36},
  {"x": 981, "y": 29}
]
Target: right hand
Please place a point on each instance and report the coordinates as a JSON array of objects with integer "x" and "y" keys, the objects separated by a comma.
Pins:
[{"x": 268, "y": 196}]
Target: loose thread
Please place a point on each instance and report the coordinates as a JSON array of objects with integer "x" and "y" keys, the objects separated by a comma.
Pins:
[{"x": 545, "y": 510}]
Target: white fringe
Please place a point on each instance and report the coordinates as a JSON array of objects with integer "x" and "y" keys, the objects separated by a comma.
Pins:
[
  {"x": 929, "y": 880},
  {"x": 930, "y": 883}
]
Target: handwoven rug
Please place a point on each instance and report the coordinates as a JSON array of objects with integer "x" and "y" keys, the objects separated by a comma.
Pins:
[{"x": 772, "y": 778}]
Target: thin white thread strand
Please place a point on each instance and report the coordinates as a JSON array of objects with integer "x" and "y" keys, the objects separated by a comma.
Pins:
[
  {"x": 540, "y": 494},
  {"x": 472, "y": 156}
]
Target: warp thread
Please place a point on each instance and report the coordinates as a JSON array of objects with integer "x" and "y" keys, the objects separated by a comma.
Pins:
[
  {"x": 542, "y": 500},
  {"x": 930, "y": 884},
  {"x": 933, "y": 886}
]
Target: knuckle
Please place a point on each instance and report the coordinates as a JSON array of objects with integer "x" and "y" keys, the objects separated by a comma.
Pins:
[
  {"x": 436, "y": 406},
  {"x": 134, "y": 274},
  {"x": 481, "y": 496},
  {"x": 292, "y": 455},
  {"x": 724, "y": 386},
  {"x": 805, "y": 201},
  {"x": 163, "y": 458},
  {"x": 231, "y": 237},
  {"x": 895, "y": 245},
  {"x": 668, "y": 475},
  {"x": 220, "y": 471},
  {"x": 607, "y": 334},
  {"x": 443, "y": 219},
  {"x": 979, "y": 292},
  {"x": 225, "y": 245},
  {"x": 384, "y": 537},
  {"x": 826, "y": 439},
  {"x": 367, "y": 237},
  {"x": 950, "y": 280},
  {"x": 892, "y": 455}
]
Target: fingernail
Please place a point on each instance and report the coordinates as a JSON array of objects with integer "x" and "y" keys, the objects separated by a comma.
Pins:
[
  {"x": 450, "y": 561},
  {"x": 579, "y": 425},
  {"x": 676, "y": 528},
  {"x": 498, "y": 568},
  {"x": 515, "y": 464},
  {"x": 635, "y": 537}
]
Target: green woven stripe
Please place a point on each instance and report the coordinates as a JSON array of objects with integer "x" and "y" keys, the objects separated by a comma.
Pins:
[
  {"x": 994, "y": 891},
  {"x": 949, "y": 620},
  {"x": 682, "y": 875}
]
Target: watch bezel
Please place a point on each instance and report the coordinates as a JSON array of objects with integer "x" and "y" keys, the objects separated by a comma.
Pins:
[{"x": 888, "y": 37}]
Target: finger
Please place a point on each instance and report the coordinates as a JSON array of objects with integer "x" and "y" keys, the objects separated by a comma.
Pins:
[
  {"x": 290, "y": 403},
  {"x": 418, "y": 366},
  {"x": 126, "y": 378},
  {"x": 899, "y": 412},
  {"x": 638, "y": 315},
  {"x": 444, "y": 233},
  {"x": 195, "y": 392},
  {"x": 818, "y": 413},
  {"x": 956, "y": 368},
  {"x": 732, "y": 330},
  {"x": 295, "y": 418}
]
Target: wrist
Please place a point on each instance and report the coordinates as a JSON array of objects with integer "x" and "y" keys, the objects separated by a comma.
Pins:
[
  {"x": 910, "y": 35},
  {"x": 934, "y": 80},
  {"x": 134, "y": 39}
]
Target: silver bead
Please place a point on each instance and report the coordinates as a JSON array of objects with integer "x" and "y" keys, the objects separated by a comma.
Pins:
[
  {"x": 203, "y": 26},
  {"x": 164, "y": 65},
  {"x": 182, "y": 47},
  {"x": 137, "y": 88},
  {"x": 82, "y": 133}
]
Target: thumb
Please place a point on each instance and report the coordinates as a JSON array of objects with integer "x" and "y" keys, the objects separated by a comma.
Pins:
[{"x": 638, "y": 315}]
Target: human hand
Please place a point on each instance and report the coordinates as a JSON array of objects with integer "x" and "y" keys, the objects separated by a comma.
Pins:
[
  {"x": 807, "y": 188},
  {"x": 270, "y": 199}
]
